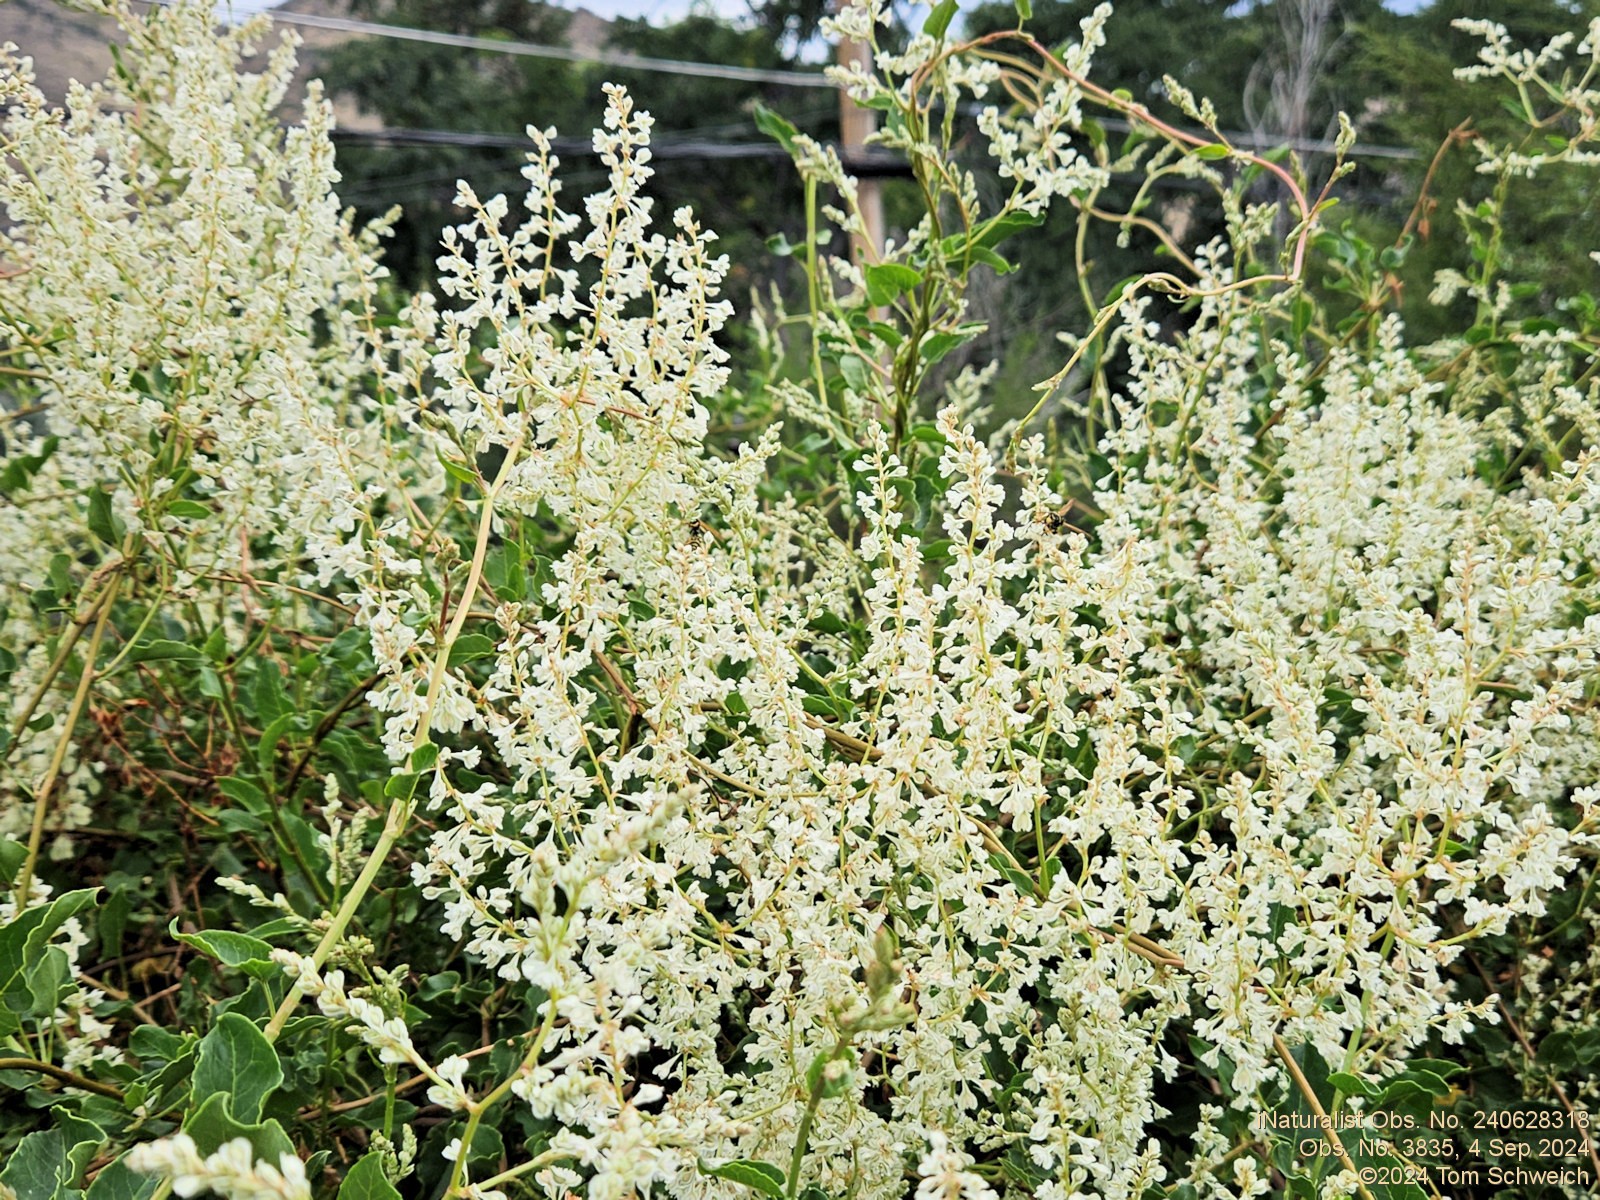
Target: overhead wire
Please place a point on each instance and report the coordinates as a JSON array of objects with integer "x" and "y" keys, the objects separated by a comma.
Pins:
[
  {"x": 703, "y": 70},
  {"x": 604, "y": 57},
  {"x": 660, "y": 148}
]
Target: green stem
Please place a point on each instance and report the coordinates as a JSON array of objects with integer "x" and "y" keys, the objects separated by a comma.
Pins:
[
  {"x": 389, "y": 1073},
  {"x": 476, "y": 1111},
  {"x": 68, "y": 641},
  {"x": 67, "y": 1077},
  {"x": 533, "y": 1164},
  {"x": 814, "y": 287},
  {"x": 401, "y": 807},
  {"x": 803, "y": 1134},
  {"x": 399, "y": 814},
  {"x": 41, "y": 801}
]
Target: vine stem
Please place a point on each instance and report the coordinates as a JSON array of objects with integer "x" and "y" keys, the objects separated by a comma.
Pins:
[
  {"x": 71, "y": 1079},
  {"x": 1301, "y": 1082},
  {"x": 441, "y": 660},
  {"x": 47, "y": 786},
  {"x": 533, "y": 1164},
  {"x": 68, "y": 641},
  {"x": 476, "y": 1110},
  {"x": 399, "y": 813},
  {"x": 400, "y": 810},
  {"x": 803, "y": 1133},
  {"x": 801, "y": 1137}
]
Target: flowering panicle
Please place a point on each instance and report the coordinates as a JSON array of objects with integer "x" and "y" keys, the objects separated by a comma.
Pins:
[
  {"x": 960, "y": 818},
  {"x": 193, "y": 313}
]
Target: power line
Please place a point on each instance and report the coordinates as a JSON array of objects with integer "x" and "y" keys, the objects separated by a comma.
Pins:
[
  {"x": 672, "y": 66},
  {"x": 661, "y": 148},
  {"x": 608, "y": 58}
]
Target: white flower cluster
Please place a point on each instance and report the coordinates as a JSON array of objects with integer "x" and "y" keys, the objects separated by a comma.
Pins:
[
  {"x": 1255, "y": 760},
  {"x": 1283, "y": 735},
  {"x": 1541, "y": 92},
  {"x": 232, "y": 1172},
  {"x": 189, "y": 308}
]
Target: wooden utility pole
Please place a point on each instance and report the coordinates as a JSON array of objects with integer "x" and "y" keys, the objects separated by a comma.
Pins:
[{"x": 856, "y": 123}]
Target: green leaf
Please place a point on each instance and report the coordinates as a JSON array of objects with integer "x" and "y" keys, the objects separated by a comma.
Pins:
[
  {"x": 235, "y": 821},
  {"x": 270, "y": 700},
  {"x": 758, "y": 1176},
  {"x": 152, "y": 1041},
  {"x": 886, "y": 281},
  {"x": 215, "y": 647},
  {"x": 470, "y": 646},
  {"x": 83, "y": 1140},
  {"x": 12, "y": 855},
  {"x": 1212, "y": 152},
  {"x": 1021, "y": 880},
  {"x": 252, "y": 798},
  {"x": 400, "y": 787},
  {"x": 237, "y": 1060},
  {"x": 936, "y": 345},
  {"x": 488, "y": 1146},
  {"x": 366, "y": 1181},
  {"x": 1047, "y": 875},
  {"x": 160, "y": 650},
  {"x": 885, "y": 333},
  {"x": 48, "y": 980},
  {"x": 38, "y": 1168},
  {"x": 827, "y": 622},
  {"x": 990, "y": 234},
  {"x": 102, "y": 523},
  {"x": 116, "y": 1182},
  {"x": 1425, "y": 1080},
  {"x": 251, "y": 955},
  {"x": 213, "y": 1124},
  {"x": 460, "y": 472},
  {"x": 267, "y": 747},
  {"x": 21, "y": 470},
  {"x": 1351, "y": 1085},
  {"x": 854, "y": 371},
  {"x": 46, "y": 1165},
  {"x": 1024, "y": 9},
  {"x": 939, "y": 19},
  {"x": 188, "y": 509},
  {"x": 23, "y": 942},
  {"x": 989, "y": 258},
  {"x": 779, "y": 245},
  {"x": 210, "y": 683},
  {"x": 775, "y": 127},
  {"x": 1304, "y": 312},
  {"x": 1435, "y": 1066},
  {"x": 424, "y": 756}
]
